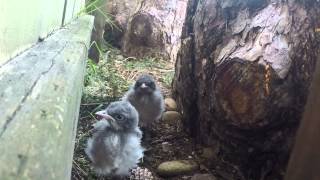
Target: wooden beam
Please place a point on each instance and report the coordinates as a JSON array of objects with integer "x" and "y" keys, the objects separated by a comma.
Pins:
[
  {"x": 40, "y": 92},
  {"x": 304, "y": 162}
]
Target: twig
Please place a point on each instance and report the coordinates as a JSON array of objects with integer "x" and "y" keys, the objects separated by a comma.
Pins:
[
  {"x": 91, "y": 104},
  {"x": 128, "y": 58},
  {"x": 79, "y": 168},
  {"x": 95, "y": 109},
  {"x": 165, "y": 70},
  {"x": 93, "y": 116},
  {"x": 169, "y": 137}
]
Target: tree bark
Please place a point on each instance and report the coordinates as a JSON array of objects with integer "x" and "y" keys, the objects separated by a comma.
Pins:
[
  {"x": 305, "y": 159},
  {"x": 98, "y": 28},
  {"x": 147, "y": 27},
  {"x": 242, "y": 77},
  {"x": 121, "y": 12}
]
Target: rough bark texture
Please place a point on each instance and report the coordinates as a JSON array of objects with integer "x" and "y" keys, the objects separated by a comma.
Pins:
[
  {"x": 98, "y": 28},
  {"x": 96, "y": 37},
  {"x": 147, "y": 27},
  {"x": 305, "y": 159},
  {"x": 242, "y": 76},
  {"x": 121, "y": 12}
]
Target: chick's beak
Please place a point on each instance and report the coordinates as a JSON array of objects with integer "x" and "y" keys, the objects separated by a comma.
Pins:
[
  {"x": 110, "y": 119},
  {"x": 103, "y": 115},
  {"x": 143, "y": 85}
]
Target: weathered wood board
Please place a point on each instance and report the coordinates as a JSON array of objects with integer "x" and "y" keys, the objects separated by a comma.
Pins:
[
  {"x": 40, "y": 92},
  {"x": 23, "y": 22}
]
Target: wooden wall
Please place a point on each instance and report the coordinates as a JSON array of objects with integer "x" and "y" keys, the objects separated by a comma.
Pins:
[{"x": 23, "y": 22}]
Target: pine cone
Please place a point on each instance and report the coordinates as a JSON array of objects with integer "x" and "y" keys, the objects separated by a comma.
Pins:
[{"x": 140, "y": 173}]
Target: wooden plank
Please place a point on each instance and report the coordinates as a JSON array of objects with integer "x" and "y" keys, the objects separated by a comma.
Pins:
[
  {"x": 23, "y": 22},
  {"x": 78, "y": 6},
  {"x": 305, "y": 159},
  {"x": 40, "y": 92}
]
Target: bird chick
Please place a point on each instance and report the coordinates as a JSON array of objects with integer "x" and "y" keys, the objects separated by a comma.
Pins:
[
  {"x": 146, "y": 97},
  {"x": 114, "y": 147}
]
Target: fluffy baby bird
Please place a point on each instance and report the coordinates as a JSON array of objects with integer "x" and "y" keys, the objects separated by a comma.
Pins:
[
  {"x": 114, "y": 147},
  {"x": 146, "y": 97}
]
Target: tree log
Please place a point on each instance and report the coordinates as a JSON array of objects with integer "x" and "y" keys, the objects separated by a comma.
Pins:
[
  {"x": 110, "y": 22},
  {"x": 121, "y": 12},
  {"x": 98, "y": 27},
  {"x": 305, "y": 160},
  {"x": 242, "y": 77},
  {"x": 147, "y": 27}
]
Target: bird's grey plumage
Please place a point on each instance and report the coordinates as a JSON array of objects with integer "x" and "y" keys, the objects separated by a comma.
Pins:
[
  {"x": 114, "y": 147},
  {"x": 147, "y": 98}
]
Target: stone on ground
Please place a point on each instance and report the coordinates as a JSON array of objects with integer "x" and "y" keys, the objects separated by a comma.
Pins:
[
  {"x": 171, "y": 117},
  {"x": 175, "y": 168},
  {"x": 170, "y": 104}
]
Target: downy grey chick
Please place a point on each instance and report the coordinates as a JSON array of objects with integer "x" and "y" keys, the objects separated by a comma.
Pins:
[
  {"x": 146, "y": 97},
  {"x": 115, "y": 147}
]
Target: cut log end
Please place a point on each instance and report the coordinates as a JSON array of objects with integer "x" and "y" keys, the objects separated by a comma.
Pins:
[
  {"x": 141, "y": 30},
  {"x": 242, "y": 90}
]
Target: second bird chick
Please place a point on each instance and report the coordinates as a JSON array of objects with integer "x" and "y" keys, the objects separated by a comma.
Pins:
[{"x": 147, "y": 98}]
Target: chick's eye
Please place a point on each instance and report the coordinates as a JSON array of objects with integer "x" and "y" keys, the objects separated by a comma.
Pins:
[
  {"x": 119, "y": 117},
  {"x": 151, "y": 85}
]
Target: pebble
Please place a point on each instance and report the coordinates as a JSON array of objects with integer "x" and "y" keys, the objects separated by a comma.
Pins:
[
  {"x": 166, "y": 147},
  {"x": 171, "y": 117},
  {"x": 175, "y": 168},
  {"x": 170, "y": 104}
]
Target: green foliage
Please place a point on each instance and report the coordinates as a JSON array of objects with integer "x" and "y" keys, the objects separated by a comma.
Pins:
[
  {"x": 103, "y": 82},
  {"x": 109, "y": 79},
  {"x": 144, "y": 63},
  {"x": 92, "y": 74},
  {"x": 168, "y": 77},
  {"x": 95, "y": 7}
]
